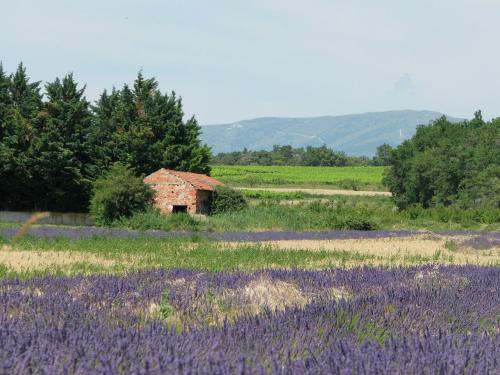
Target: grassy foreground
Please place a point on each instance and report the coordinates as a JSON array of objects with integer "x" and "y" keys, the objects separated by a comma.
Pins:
[{"x": 354, "y": 178}]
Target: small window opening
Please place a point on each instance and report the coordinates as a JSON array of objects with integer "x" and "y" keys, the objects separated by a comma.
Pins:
[{"x": 179, "y": 209}]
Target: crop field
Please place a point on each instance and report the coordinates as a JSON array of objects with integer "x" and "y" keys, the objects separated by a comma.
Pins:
[
  {"x": 422, "y": 320},
  {"x": 215, "y": 298},
  {"x": 101, "y": 301},
  {"x": 351, "y": 178}
]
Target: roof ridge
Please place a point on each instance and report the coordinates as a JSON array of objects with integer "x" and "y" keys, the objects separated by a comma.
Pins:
[{"x": 198, "y": 180}]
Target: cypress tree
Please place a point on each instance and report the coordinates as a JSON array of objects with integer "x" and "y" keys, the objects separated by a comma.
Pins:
[
  {"x": 5, "y": 99},
  {"x": 60, "y": 151},
  {"x": 145, "y": 130},
  {"x": 25, "y": 95},
  {"x": 20, "y": 101}
]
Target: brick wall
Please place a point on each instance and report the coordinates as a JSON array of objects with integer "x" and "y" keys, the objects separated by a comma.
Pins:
[{"x": 171, "y": 190}]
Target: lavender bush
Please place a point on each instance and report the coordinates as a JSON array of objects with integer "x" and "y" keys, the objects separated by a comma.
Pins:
[{"x": 423, "y": 320}]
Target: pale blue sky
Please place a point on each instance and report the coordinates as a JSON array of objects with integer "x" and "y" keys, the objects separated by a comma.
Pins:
[{"x": 233, "y": 60}]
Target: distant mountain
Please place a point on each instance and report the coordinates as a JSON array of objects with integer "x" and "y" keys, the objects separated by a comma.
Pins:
[{"x": 357, "y": 134}]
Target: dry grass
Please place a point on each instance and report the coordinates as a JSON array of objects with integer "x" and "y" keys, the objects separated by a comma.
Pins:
[
  {"x": 265, "y": 294},
  {"x": 21, "y": 261},
  {"x": 388, "y": 251},
  {"x": 422, "y": 245},
  {"x": 257, "y": 296},
  {"x": 252, "y": 299},
  {"x": 275, "y": 295},
  {"x": 29, "y": 261}
]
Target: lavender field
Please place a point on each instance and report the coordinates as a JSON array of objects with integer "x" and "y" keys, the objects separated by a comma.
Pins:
[
  {"x": 418, "y": 320},
  {"x": 479, "y": 239}
]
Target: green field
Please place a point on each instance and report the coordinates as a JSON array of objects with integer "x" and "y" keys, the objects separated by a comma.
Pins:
[{"x": 354, "y": 178}]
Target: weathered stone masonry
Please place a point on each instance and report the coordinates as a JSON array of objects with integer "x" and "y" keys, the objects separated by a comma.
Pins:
[{"x": 182, "y": 191}]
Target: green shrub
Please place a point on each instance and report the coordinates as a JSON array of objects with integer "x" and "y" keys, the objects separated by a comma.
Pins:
[
  {"x": 226, "y": 199},
  {"x": 349, "y": 184},
  {"x": 414, "y": 211},
  {"x": 153, "y": 219},
  {"x": 341, "y": 215},
  {"x": 356, "y": 222},
  {"x": 118, "y": 194},
  {"x": 355, "y": 218}
]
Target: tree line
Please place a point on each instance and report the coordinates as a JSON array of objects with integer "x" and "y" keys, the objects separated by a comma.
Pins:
[
  {"x": 448, "y": 164},
  {"x": 54, "y": 143},
  {"x": 308, "y": 156}
]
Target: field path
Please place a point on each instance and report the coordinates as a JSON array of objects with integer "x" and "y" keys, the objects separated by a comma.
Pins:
[{"x": 321, "y": 191}]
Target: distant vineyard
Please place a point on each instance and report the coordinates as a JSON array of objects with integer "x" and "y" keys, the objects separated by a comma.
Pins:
[{"x": 355, "y": 178}]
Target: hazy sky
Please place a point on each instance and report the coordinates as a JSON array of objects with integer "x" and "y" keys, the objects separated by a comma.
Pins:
[{"x": 233, "y": 60}]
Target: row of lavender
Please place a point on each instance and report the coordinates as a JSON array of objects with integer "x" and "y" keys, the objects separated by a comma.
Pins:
[
  {"x": 422, "y": 321},
  {"x": 478, "y": 240}
]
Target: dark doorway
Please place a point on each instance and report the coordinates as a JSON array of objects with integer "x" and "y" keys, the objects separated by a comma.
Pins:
[
  {"x": 179, "y": 209},
  {"x": 205, "y": 207}
]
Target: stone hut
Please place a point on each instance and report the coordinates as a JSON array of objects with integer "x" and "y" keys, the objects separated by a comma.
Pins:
[{"x": 182, "y": 191}]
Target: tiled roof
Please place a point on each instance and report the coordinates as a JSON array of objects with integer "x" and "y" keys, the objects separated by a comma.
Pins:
[{"x": 199, "y": 181}]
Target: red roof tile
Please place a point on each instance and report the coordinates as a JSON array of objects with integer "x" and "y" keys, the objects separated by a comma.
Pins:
[{"x": 199, "y": 181}]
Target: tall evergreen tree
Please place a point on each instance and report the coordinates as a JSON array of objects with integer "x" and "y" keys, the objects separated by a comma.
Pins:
[
  {"x": 60, "y": 152},
  {"x": 51, "y": 151},
  {"x": 145, "y": 129},
  {"x": 25, "y": 95},
  {"x": 197, "y": 154},
  {"x": 20, "y": 101},
  {"x": 5, "y": 99}
]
